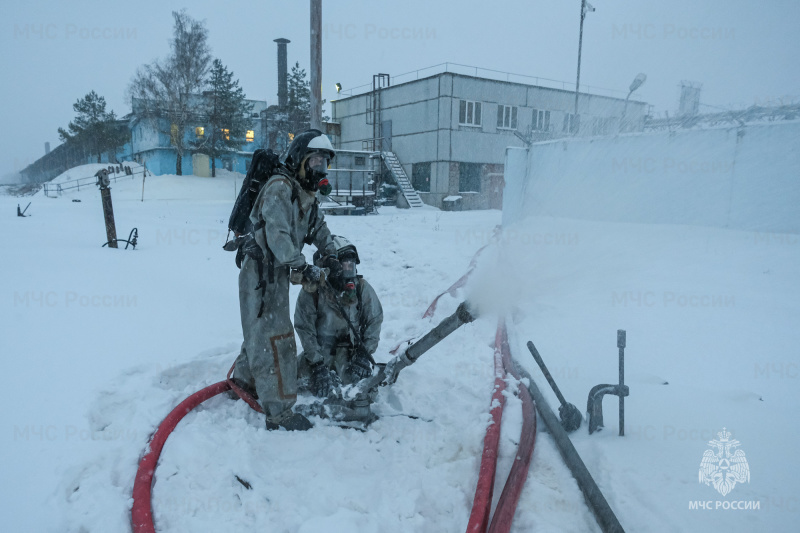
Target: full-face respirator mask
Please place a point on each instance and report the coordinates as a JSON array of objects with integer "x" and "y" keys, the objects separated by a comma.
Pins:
[{"x": 316, "y": 173}]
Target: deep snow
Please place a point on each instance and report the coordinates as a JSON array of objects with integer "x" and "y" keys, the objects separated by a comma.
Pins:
[{"x": 99, "y": 345}]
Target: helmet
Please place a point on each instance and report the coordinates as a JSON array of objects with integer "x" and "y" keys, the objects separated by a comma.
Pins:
[
  {"x": 345, "y": 277},
  {"x": 345, "y": 249},
  {"x": 311, "y": 171}
]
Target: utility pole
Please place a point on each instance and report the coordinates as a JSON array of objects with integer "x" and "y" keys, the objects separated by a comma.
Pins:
[
  {"x": 316, "y": 64},
  {"x": 576, "y": 121}
]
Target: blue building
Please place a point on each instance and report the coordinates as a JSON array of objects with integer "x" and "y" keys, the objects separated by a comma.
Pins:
[{"x": 153, "y": 147}]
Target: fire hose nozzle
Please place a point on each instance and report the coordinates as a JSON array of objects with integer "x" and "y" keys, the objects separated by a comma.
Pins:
[{"x": 394, "y": 367}]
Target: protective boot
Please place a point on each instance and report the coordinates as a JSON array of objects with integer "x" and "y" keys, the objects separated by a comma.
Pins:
[{"x": 296, "y": 422}]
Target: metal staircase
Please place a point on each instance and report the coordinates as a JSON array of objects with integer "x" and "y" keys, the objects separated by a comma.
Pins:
[{"x": 394, "y": 166}]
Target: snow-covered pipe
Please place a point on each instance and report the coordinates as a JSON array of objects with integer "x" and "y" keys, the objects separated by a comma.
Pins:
[{"x": 594, "y": 498}]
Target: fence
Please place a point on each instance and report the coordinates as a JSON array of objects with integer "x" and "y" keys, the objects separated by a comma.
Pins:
[{"x": 116, "y": 172}]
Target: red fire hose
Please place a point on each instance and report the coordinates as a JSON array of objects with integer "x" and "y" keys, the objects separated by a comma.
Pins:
[
  {"x": 507, "y": 504},
  {"x": 142, "y": 511},
  {"x": 504, "y": 513},
  {"x": 482, "y": 504}
]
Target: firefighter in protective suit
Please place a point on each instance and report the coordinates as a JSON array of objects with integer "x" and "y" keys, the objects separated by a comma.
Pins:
[
  {"x": 339, "y": 327},
  {"x": 285, "y": 216}
]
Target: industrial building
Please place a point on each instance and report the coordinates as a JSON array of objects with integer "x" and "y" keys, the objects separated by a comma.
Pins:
[{"x": 449, "y": 131}]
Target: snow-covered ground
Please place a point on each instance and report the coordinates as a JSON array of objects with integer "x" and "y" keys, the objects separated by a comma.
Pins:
[{"x": 99, "y": 345}]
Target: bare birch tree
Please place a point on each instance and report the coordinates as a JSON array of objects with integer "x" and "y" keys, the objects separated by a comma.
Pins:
[{"x": 162, "y": 92}]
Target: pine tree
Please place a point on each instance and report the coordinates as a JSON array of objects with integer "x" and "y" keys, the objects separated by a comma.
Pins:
[
  {"x": 298, "y": 101},
  {"x": 226, "y": 115},
  {"x": 94, "y": 129}
]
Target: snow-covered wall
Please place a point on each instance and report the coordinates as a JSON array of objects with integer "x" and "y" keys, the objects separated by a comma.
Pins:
[{"x": 740, "y": 177}]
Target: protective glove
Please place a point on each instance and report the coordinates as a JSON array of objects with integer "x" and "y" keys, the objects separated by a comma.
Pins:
[
  {"x": 334, "y": 267},
  {"x": 360, "y": 366},
  {"x": 321, "y": 382},
  {"x": 309, "y": 276}
]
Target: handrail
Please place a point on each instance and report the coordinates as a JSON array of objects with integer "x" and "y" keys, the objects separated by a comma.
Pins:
[{"x": 87, "y": 181}]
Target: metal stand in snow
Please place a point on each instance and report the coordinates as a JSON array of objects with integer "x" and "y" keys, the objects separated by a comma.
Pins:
[
  {"x": 594, "y": 405},
  {"x": 132, "y": 240},
  {"x": 108, "y": 209},
  {"x": 571, "y": 417}
]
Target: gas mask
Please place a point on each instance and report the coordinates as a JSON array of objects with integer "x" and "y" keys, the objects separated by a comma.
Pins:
[
  {"x": 349, "y": 280},
  {"x": 316, "y": 173}
]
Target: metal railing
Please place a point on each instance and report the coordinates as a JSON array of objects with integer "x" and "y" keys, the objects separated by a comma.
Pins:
[
  {"x": 338, "y": 181},
  {"x": 54, "y": 190},
  {"x": 497, "y": 75}
]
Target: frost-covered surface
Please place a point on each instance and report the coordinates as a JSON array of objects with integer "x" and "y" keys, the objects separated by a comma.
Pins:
[{"x": 100, "y": 345}]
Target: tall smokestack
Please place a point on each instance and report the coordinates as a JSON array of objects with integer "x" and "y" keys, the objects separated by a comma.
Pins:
[
  {"x": 46, "y": 148},
  {"x": 282, "y": 72}
]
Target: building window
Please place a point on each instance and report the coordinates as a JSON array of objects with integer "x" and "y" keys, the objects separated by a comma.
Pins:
[
  {"x": 541, "y": 120},
  {"x": 570, "y": 124},
  {"x": 199, "y": 131},
  {"x": 469, "y": 177},
  {"x": 173, "y": 134},
  {"x": 469, "y": 113},
  {"x": 226, "y": 134},
  {"x": 361, "y": 161},
  {"x": 421, "y": 176},
  {"x": 251, "y": 136},
  {"x": 506, "y": 117}
]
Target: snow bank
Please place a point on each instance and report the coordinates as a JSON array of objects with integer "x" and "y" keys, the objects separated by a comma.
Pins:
[
  {"x": 102, "y": 344},
  {"x": 738, "y": 177}
]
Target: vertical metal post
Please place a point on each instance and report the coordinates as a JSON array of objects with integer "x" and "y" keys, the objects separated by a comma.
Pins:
[
  {"x": 144, "y": 175},
  {"x": 316, "y": 64},
  {"x": 108, "y": 215},
  {"x": 576, "y": 123},
  {"x": 621, "y": 345}
]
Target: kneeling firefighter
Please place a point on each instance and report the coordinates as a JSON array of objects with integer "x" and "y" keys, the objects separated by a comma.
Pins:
[
  {"x": 284, "y": 216},
  {"x": 339, "y": 327}
]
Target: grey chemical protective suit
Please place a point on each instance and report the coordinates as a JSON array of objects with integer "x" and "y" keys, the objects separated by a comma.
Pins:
[
  {"x": 268, "y": 359},
  {"x": 325, "y": 335}
]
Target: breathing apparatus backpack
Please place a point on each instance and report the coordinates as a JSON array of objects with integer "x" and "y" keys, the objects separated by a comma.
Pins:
[{"x": 265, "y": 164}]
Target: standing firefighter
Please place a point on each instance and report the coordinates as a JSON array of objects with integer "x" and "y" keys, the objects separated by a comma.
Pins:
[
  {"x": 339, "y": 327},
  {"x": 284, "y": 216}
]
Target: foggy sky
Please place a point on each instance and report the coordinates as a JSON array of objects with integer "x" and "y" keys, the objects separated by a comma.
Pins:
[{"x": 53, "y": 53}]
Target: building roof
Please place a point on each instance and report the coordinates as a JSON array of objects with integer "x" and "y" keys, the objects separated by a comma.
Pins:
[{"x": 583, "y": 92}]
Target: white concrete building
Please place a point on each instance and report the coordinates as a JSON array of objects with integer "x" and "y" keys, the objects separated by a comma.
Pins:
[{"x": 450, "y": 131}]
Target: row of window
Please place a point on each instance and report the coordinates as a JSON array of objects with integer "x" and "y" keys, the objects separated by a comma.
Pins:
[
  {"x": 200, "y": 131},
  {"x": 469, "y": 177},
  {"x": 470, "y": 113}
]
